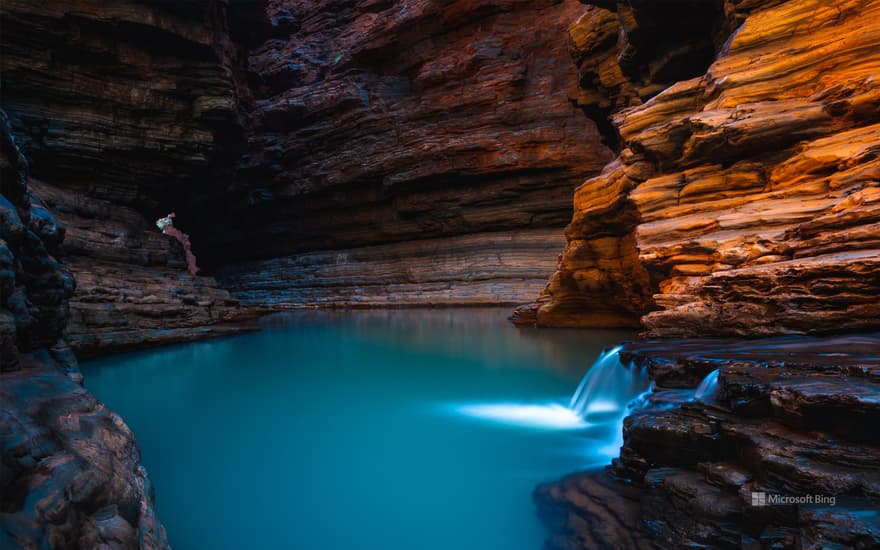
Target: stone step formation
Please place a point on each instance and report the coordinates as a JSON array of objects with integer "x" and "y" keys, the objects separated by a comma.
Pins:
[{"x": 791, "y": 418}]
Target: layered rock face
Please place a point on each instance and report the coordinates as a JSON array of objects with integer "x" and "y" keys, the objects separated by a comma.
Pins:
[
  {"x": 70, "y": 472},
  {"x": 790, "y": 417},
  {"x": 302, "y": 131},
  {"x": 397, "y": 124},
  {"x": 440, "y": 140},
  {"x": 131, "y": 102},
  {"x": 400, "y": 121},
  {"x": 745, "y": 200},
  {"x": 133, "y": 288},
  {"x": 123, "y": 108},
  {"x": 467, "y": 270}
]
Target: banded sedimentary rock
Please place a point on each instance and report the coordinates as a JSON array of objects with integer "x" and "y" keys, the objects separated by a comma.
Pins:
[
  {"x": 133, "y": 288},
  {"x": 125, "y": 101},
  {"x": 277, "y": 128},
  {"x": 124, "y": 107},
  {"x": 405, "y": 122},
  {"x": 751, "y": 191},
  {"x": 790, "y": 418},
  {"x": 476, "y": 269}
]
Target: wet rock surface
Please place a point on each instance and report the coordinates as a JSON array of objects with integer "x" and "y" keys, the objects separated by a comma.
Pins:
[
  {"x": 592, "y": 511},
  {"x": 789, "y": 418}
]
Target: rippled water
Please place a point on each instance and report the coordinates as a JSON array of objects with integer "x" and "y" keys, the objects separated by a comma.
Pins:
[{"x": 419, "y": 429}]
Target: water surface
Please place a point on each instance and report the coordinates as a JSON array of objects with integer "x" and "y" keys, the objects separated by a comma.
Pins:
[{"x": 388, "y": 430}]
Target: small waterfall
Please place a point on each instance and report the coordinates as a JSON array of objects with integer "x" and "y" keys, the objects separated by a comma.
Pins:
[
  {"x": 707, "y": 388},
  {"x": 609, "y": 386},
  {"x": 607, "y": 394}
]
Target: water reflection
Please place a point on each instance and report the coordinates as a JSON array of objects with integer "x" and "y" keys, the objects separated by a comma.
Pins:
[
  {"x": 485, "y": 333},
  {"x": 550, "y": 416}
]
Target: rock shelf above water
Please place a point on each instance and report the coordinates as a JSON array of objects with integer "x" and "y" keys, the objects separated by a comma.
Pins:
[{"x": 791, "y": 416}]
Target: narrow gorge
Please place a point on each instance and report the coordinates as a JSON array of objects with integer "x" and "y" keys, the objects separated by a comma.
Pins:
[{"x": 697, "y": 180}]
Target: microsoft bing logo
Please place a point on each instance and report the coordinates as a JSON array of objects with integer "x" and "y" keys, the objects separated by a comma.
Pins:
[{"x": 759, "y": 499}]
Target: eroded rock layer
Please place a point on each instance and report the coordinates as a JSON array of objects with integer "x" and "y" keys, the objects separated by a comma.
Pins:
[
  {"x": 127, "y": 101},
  {"x": 124, "y": 107},
  {"x": 132, "y": 285},
  {"x": 405, "y": 122},
  {"x": 745, "y": 200},
  {"x": 476, "y": 269},
  {"x": 276, "y": 128},
  {"x": 789, "y": 418}
]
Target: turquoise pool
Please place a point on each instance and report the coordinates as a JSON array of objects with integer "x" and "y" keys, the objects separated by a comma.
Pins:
[{"x": 391, "y": 430}]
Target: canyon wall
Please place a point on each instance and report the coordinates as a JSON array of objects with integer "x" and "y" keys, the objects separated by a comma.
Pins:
[
  {"x": 479, "y": 269},
  {"x": 429, "y": 148},
  {"x": 407, "y": 142},
  {"x": 364, "y": 153},
  {"x": 391, "y": 152},
  {"x": 744, "y": 200},
  {"x": 70, "y": 472},
  {"x": 122, "y": 108},
  {"x": 132, "y": 285},
  {"x": 297, "y": 142},
  {"x": 402, "y": 153}
]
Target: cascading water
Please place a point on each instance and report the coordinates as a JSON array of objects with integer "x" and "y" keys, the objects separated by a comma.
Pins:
[
  {"x": 608, "y": 393},
  {"x": 608, "y": 386},
  {"x": 707, "y": 388}
]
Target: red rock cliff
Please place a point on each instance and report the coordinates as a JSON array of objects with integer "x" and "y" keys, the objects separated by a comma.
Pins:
[
  {"x": 429, "y": 148},
  {"x": 123, "y": 108},
  {"x": 412, "y": 144},
  {"x": 744, "y": 200}
]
